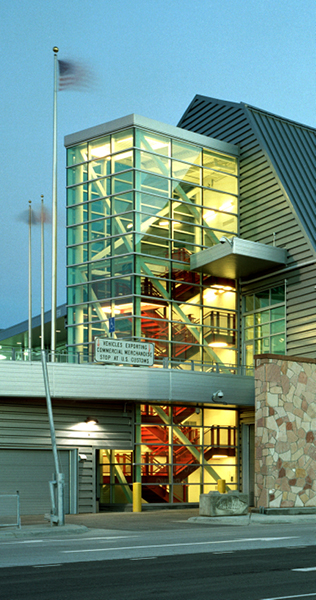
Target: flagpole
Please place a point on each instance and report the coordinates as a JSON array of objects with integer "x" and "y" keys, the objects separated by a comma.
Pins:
[
  {"x": 42, "y": 275},
  {"x": 54, "y": 213},
  {"x": 30, "y": 284}
]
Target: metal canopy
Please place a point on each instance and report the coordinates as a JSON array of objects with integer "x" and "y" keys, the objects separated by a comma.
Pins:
[{"x": 234, "y": 258}]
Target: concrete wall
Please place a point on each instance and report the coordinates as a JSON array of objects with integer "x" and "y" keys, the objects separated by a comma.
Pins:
[{"x": 285, "y": 431}]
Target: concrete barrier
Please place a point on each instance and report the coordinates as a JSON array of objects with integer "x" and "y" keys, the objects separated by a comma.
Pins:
[{"x": 215, "y": 504}]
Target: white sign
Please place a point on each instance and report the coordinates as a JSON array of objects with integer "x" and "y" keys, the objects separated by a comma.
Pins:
[{"x": 123, "y": 352}]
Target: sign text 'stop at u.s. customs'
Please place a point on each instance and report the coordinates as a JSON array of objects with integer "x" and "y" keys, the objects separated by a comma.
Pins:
[{"x": 123, "y": 352}]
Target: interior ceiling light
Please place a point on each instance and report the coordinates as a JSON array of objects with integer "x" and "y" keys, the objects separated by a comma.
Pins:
[
  {"x": 227, "y": 206},
  {"x": 129, "y": 226},
  {"x": 163, "y": 223},
  {"x": 218, "y": 345},
  {"x": 223, "y": 288},
  {"x": 125, "y": 139},
  {"x": 219, "y": 456},
  {"x": 209, "y": 215},
  {"x": 100, "y": 152},
  {"x": 108, "y": 310}
]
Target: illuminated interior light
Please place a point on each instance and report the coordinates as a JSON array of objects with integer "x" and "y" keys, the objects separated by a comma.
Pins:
[
  {"x": 219, "y": 456},
  {"x": 129, "y": 226},
  {"x": 107, "y": 310},
  {"x": 227, "y": 206},
  {"x": 2, "y": 357},
  {"x": 124, "y": 140},
  {"x": 209, "y": 215},
  {"x": 209, "y": 295},
  {"x": 223, "y": 288},
  {"x": 19, "y": 343},
  {"x": 100, "y": 152},
  {"x": 163, "y": 223},
  {"x": 218, "y": 345}
]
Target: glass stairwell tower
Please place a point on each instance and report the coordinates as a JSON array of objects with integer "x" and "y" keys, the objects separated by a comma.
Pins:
[{"x": 142, "y": 197}]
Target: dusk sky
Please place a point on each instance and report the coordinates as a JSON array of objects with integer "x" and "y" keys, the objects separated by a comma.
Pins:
[{"x": 148, "y": 57}]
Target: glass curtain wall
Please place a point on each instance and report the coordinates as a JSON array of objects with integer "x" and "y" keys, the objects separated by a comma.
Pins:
[
  {"x": 182, "y": 452},
  {"x": 138, "y": 205},
  {"x": 264, "y": 323}
]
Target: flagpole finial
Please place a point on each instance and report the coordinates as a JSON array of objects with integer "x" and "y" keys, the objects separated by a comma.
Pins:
[{"x": 55, "y": 49}]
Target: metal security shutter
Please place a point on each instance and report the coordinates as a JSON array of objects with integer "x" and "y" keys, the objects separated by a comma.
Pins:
[{"x": 29, "y": 472}]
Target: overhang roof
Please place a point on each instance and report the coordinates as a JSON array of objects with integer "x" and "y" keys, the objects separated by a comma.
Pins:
[{"x": 234, "y": 258}]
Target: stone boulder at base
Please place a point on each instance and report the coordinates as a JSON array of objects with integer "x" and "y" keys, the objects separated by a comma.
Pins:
[{"x": 215, "y": 504}]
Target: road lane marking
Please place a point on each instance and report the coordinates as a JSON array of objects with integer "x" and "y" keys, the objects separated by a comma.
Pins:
[
  {"x": 49, "y": 539},
  {"x": 305, "y": 569},
  {"x": 43, "y": 566},
  {"x": 30, "y": 542},
  {"x": 179, "y": 544},
  {"x": 145, "y": 558},
  {"x": 289, "y": 597}
]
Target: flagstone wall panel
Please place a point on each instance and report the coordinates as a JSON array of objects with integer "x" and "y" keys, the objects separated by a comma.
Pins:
[{"x": 285, "y": 432}]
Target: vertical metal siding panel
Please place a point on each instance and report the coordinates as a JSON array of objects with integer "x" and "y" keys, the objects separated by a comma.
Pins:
[
  {"x": 292, "y": 151},
  {"x": 86, "y": 479}
]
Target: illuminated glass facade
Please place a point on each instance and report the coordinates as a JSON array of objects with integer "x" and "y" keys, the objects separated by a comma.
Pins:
[
  {"x": 139, "y": 203},
  {"x": 180, "y": 453}
]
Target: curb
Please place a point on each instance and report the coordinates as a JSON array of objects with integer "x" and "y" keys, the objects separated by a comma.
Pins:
[
  {"x": 40, "y": 531},
  {"x": 253, "y": 519}
]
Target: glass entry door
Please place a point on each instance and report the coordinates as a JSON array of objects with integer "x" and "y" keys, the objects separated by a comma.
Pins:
[{"x": 115, "y": 477}]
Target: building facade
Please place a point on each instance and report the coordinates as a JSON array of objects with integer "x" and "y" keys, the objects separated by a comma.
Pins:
[{"x": 198, "y": 239}]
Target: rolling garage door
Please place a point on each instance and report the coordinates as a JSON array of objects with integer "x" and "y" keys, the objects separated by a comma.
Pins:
[{"x": 29, "y": 471}]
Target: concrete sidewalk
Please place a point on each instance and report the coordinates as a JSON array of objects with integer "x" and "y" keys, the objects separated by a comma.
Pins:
[{"x": 167, "y": 519}]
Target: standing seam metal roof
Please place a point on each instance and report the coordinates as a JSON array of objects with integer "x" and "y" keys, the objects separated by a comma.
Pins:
[{"x": 290, "y": 148}]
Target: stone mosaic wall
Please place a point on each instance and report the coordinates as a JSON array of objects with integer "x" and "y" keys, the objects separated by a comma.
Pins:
[{"x": 285, "y": 434}]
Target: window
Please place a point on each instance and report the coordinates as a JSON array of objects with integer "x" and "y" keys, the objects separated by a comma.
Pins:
[{"x": 264, "y": 323}]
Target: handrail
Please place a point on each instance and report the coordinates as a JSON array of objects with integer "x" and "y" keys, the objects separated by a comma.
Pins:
[{"x": 8, "y": 353}]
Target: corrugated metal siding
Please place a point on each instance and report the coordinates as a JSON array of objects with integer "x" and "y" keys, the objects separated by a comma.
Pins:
[
  {"x": 87, "y": 481},
  {"x": 292, "y": 150},
  {"x": 269, "y": 190},
  {"x": 25, "y": 425}
]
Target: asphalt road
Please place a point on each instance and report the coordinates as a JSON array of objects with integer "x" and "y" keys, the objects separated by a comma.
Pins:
[{"x": 263, "y": 574}]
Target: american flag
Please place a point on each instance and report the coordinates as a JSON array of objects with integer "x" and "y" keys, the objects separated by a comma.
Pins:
[{"x": 72, "y": 75}]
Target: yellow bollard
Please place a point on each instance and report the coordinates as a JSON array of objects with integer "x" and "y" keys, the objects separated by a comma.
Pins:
[
  {"x": 137, "y": 497},
  {"x": 221, "y": 484}
]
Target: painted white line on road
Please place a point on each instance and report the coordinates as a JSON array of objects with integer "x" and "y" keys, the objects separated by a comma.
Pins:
[
  {"x": 313, "y": 595},
  {"x": 179, "y": 545},
  {"x": 66, "y": 540},
  {"x": 305, "y": 569},
  {"x": 145, "y": 558},
  {"x": 29, "y": 542},
  {"x": 43, "y": 566}
]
